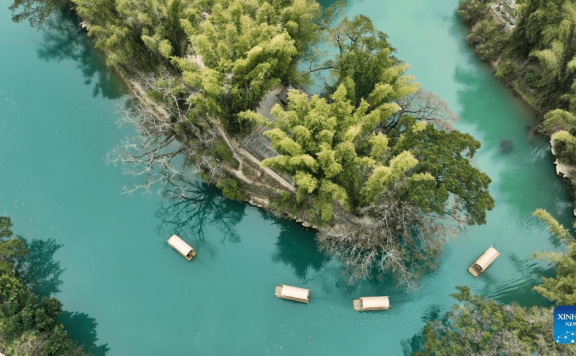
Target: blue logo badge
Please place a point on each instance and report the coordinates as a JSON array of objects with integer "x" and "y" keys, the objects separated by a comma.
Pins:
[{"x": 565, "y": 324}]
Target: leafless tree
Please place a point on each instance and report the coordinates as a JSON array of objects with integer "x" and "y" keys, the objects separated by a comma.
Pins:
[
  {"x": 163, "y": 134},
  {"x": 425, "y": 106},
  {"x": 392, "y": 238}
]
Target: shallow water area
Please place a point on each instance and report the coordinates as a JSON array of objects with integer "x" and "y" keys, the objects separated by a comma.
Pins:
[{"x": 58, "y": 111}]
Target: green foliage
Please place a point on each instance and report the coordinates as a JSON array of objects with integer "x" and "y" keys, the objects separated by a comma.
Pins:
[
  {"x": 140, "y": 34},
  {"x": 244, "y": 49},
  {"x": 445, "y": 157},
  {"x": 530, "y": 77},
  {"x": 221, "y": 151},
  {"x": 560, "y": 289},
  {"x": 472, "y": 11},
  {"x": 565, "y": 145},
  {"x": 557, "y": 120},
  {"x": 505, "y": 69},
  {"x": 546, "y": 32},
  {"x": 230, "y": 189},
  {"x": 11, "y": 248},
  {"x": 488, "y": 39},
  {"x": 27, "y": 323},
  {"x": 315, "y": 140},
  {"x": 36, "y": 12},
  {"x": 26, "y": 320},
  {"x": 479, "y": 326},
  {"x": 365, "y": 66}
]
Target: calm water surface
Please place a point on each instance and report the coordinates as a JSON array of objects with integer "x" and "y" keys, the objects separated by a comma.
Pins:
[{"x": 132, "y": 295}]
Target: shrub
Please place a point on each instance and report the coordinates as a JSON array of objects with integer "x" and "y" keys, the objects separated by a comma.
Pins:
[
  {"x": 529, "y": 77},
  {"x": 230, "y": 189},
  {"x": 488, "y": 39},
  {"x": 222, "y": 152},
  {"x": 472, "y": 11},
  {"x": 505, "y": 69}
]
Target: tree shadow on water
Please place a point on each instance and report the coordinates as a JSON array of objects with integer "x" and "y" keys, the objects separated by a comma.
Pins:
[
  {"x": 193, "y": 206},
  {"x": 63, "y": 39},
  {"x": 296, "y": 247},
  {"x": 82, "y": 329},
  {"x": 42, "y": 275},
  {"x": 38, "y": 269},
  {"x": 416, "y": 342}
]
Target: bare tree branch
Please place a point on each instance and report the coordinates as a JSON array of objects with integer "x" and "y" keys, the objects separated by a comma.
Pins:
[{"x": 151, "y": 154}]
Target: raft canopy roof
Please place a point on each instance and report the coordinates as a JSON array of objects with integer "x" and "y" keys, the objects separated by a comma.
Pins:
[
  {"x": 375, "y": 302},
  {"x": 483, "y": 261},
  {"x": 181, "y": 247},
  {"x": 292, "y": 293},
  {"x": 371, "y": 303},
  {"x": 487, "y": 258}
]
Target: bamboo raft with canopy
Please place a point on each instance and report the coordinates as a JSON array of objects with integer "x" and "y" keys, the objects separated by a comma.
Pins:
[
  {"x": 181, "y": 247},
  {"x": 483, "y": 261},
  {"x": 292, "y": 293},
  {"x": 371, "y": 303}
]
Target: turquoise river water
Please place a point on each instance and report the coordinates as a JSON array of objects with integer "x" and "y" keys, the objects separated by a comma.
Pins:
[{"x": 127, "y": 293}]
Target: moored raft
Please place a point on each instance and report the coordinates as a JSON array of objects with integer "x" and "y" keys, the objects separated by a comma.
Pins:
[
  {"x": 483, "y": 261},
  {"x": 292, "y": 293},
  {"x": 371, "y": 303},
  {"x": 181, "y": 247}
]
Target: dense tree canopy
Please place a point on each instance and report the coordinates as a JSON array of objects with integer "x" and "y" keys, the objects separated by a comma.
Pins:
[
  {"x": 28, "y": 324},
  {"x": 241, "y": 54},
  {"x": 479, "y": 326},
  {"x": 315, "y": 141},
  {"x": 377, "y": 146}
]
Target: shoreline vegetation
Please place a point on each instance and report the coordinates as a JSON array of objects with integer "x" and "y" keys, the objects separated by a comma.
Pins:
[
  {"x": 373, "y": 163},
  {"x": 531, "y": 46},
  {"x": 29, "y": 315}
]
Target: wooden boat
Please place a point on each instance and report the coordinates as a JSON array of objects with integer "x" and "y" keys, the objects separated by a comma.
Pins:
[
  {"x": 181, "y": 247},
  {"x": 292, "y": 293},
  {"x": 371, "y": 303},
  {"x": 483, "y": 261}
]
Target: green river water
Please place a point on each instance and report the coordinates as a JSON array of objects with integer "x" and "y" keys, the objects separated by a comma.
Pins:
[{"x": 130, "y": 294}]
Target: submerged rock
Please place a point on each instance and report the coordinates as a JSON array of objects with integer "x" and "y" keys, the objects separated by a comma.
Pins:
[{"x": 506, "y": 146}]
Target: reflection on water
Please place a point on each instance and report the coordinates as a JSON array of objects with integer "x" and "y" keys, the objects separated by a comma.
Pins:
[
  {"x": 64, "y": 40},
  {"x": 416, "y": 342},
  {"x": 191, "y": 207},
  {"x": 296, "y": 247},
  {"x": 82, "y": 329},
  {"x": 41, "y": 273},
  {"x": 38, "y": 269}
]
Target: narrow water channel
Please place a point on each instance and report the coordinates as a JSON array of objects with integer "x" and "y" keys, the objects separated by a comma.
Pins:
[{"x": 132, "y": 295}]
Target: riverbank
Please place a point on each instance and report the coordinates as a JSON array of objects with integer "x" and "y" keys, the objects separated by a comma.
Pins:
[{"x": 491, "y": 26}]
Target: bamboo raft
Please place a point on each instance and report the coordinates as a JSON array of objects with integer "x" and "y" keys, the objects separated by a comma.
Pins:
[
  {"x": 371, "y": 303},
  {"x": 483, "y": 261},
  {"x": 181, "y": 247},
  {"x": 292, "y": 293}
]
